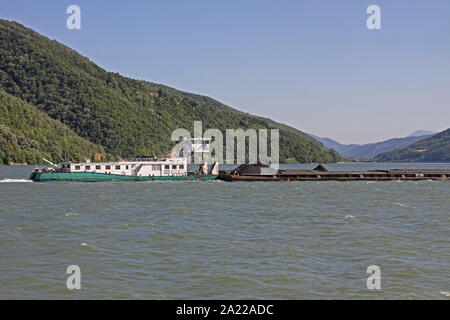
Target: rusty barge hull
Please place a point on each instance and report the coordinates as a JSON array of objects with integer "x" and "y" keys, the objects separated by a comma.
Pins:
[{"x": 315, "y": 175}]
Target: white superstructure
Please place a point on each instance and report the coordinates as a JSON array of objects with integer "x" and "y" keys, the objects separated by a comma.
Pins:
[
  {"x": 150, "y": 167},
  {"x": 136, "y": 167}
]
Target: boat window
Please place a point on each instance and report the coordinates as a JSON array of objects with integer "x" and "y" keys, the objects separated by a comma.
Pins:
[
  {"x": 156, "y": 167},
  {"x": 181, "y": 166},
  {"x": 117, "y": 167},
  {"x": 98, "y": 167},
  {"x": 166, "y": 166},
  {"x": 126, "y": 167},
  {"x": 88, "y": 168},
  {"x": 108, "y": 167},
  {"x": 174, "y": 166},
  {"x": 77, "y": 167}
]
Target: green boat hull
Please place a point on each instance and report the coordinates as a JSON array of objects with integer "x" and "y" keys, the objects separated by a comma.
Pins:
[{"x": 102, "y": 177}]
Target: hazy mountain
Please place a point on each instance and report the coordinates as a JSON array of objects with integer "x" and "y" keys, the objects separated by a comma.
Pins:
[
  {"x": 370, "y": 150},
  {"x": 435, "y": 148},
  {"x": 330, "y": 143},
  {"x": 420, "y": 133},
  {"x": 127, "y": 117}
]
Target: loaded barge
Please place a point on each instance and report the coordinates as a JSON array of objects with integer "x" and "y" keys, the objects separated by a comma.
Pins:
[{"x": 262, "y": 172}]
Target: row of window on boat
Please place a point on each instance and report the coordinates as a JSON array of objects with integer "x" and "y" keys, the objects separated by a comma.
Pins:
[{"x": 155, "y": 167}]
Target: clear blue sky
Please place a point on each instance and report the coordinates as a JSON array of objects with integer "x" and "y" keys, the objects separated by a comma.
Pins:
[{"x": 311, "y": 64}]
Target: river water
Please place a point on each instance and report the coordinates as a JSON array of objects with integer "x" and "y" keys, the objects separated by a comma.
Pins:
[{"x": 225, "y": 240}]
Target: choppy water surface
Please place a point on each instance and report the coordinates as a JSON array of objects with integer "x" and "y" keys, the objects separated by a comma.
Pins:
[{"x": 220, "y": 240}]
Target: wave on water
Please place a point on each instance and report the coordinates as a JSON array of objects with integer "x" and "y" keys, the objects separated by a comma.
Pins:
[
  {"x": 403, "y": 205},
  {"x": 14, "y": 180},
  {"x": 88, "y": 246},
  {"x": 70, "y": 214}
]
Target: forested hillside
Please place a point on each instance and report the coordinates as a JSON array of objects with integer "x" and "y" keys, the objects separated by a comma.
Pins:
[
  {"x": 127, "y": 117},
  {"x": 27, "y": 135},
  {"x": 433, "y": 149}
]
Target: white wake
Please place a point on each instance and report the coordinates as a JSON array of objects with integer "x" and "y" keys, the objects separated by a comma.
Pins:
[{"x": 14, "y": 180}]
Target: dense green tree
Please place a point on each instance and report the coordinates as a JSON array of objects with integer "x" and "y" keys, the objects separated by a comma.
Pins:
[
  {"x": 27, "y": 135},
  {"x": 127, "y": 117}
]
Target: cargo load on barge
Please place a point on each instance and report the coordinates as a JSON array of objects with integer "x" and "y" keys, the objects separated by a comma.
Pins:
[{"x": 263, "y": 172}]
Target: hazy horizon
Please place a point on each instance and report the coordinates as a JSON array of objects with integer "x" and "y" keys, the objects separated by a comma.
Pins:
[{"x": 312, "y": 65}]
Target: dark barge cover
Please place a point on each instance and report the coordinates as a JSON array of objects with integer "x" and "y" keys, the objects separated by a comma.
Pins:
[{"x": 263, "y": 172}]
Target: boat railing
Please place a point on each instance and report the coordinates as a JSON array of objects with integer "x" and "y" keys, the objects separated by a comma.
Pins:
[{"x": 145, "y": 159}]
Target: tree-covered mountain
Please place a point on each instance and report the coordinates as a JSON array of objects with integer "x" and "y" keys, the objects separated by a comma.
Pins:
[
  {"x": 371, "y": 150},
  {"x": 432, "y": 149},
  {"x": 127, "y": 117},
  {"x": 27, "y": 135}
]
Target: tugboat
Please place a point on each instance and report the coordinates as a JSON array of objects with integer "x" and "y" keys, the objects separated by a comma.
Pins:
[{"x": 137, "y": 169}]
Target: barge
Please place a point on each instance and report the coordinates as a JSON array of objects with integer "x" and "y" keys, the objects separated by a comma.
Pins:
[{"x": 262, "y": 172}]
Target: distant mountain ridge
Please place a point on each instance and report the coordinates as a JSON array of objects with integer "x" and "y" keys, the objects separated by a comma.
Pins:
[
  {"x": 371, "y": 150},
  {"x": 435, "y": 148},
  {"x": 420, "y": 133},
  {"x": 126, "y": 117}
]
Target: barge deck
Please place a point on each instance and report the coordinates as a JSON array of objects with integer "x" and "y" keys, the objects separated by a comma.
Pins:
[{"x": 260, "y": 172}]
